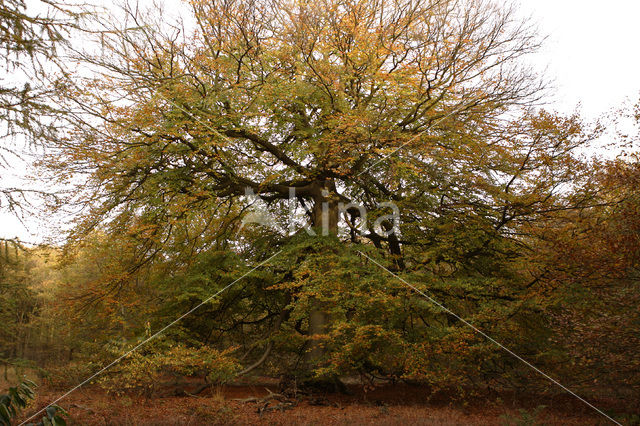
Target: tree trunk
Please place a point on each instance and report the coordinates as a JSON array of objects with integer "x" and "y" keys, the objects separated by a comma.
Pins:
[
  {"x": 325, "y": 215},
  {"x": 325, "y": 208}
]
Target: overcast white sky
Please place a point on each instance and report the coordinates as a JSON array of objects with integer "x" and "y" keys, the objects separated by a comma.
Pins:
[
  {"x": 592, "y": 55},
  {"x": 592, "y": 51}
]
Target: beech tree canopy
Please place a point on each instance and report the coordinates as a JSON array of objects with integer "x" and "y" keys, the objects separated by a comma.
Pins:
[{"x": 396, "y": 148}]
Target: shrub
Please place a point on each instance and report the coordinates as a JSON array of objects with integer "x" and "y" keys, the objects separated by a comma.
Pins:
[{"x": 142, "y": 372}]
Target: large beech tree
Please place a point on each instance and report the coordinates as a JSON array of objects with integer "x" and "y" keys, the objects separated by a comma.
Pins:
[{"x": 427, "y": 104}]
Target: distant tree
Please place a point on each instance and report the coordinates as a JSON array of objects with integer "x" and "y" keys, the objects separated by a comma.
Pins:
[
  {"x": 589, "y": 267},
  {"x": 18, "y": 302}
]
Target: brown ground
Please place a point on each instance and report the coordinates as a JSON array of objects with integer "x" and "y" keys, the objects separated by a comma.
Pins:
[{"x": 399, "y": 405}]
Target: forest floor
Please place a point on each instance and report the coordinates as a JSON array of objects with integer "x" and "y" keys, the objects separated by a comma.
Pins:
[{"x": 260, "y": 404}]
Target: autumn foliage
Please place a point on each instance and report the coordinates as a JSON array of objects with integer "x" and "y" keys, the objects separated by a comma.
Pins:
[{"x": 424, "y": 115}]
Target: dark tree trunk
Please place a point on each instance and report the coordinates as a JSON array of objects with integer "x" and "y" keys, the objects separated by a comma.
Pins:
[{"x": 325, "y": 216}]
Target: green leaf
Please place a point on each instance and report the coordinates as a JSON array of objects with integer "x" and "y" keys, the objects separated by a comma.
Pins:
[{"x": 4, "y": 413}]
